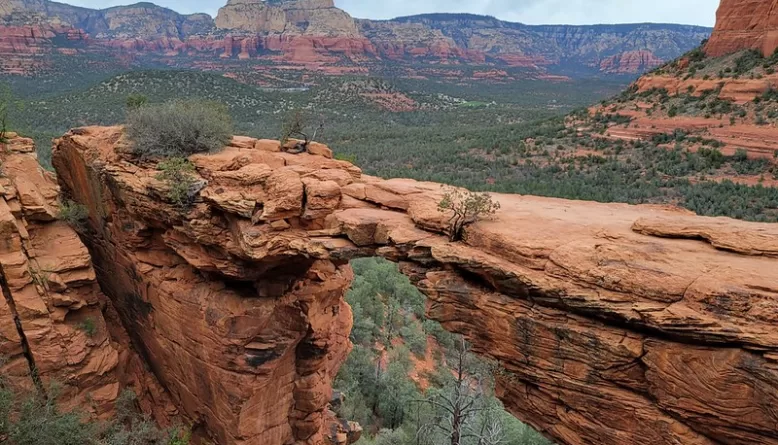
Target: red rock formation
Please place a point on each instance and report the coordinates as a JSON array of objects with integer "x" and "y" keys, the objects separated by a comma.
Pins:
[
  {"x": 315, "y": 32},
  {"x": 630, "y": 62},
  {"x": 612, "y": 323},
  {"x": 246, "y": 345},
  {"x": 17, "y": 42},
  {"x": 745, "y": 24},
  {"x": 739, "y": 91},
  {"x": 54, "y": 318}
]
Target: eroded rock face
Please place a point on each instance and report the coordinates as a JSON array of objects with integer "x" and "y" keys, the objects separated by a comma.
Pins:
[
  {"x": 53, "y": 317},
  {"x": 138, "y": 21},
  {"x": 292, "y": 17},
  {"x": 745, "y": 24},
  {"x": 611, "y": 323},
  {"x": 246, "y": 336},
  {"x": 315, "y": 33},
  {"x": 630, "y": 62}
]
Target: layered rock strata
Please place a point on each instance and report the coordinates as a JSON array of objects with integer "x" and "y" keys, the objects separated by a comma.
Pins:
[
  {"x": 745, "y": 24},
  {"x": 316, "y": 32},
  {"x": 56, "y": 326},
  {"x": 292, "y": 17},
  {"x": 247, "y": 343},
  {"x": 611, "y": 323}
]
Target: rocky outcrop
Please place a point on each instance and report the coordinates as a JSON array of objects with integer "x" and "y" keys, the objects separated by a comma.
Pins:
[
  {"x": 247, "y": 338},
  {"x": 57, "y": 328},
  {"x": 290, "y": 17},
  {"x": 739, "y": 91},
  {"x": 23, "y": 48},
  {"x": 630, "y": 62},
  {"x": 744, "y": 24},
  {"x": 138, "y": 21},
  {"x": 149, "y": 21},
  {"x": 611, "y": 323}
]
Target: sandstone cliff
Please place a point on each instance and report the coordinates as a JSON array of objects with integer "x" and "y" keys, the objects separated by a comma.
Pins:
[
  {"x": 294, "y": 17},
  {"x": 611, "y": 323},
  {"x": 721, "y": 92},
  {"x": 607, "y": 48},
  {"x": 57, "y": 326},
  {"x": 305, "y": 31},
  {"x": 744, "y": 24}
]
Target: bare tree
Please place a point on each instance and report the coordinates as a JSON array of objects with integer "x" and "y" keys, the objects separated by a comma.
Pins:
[
  {"x": 296, "y": 126},
  {"x": 462, "y": 414}
]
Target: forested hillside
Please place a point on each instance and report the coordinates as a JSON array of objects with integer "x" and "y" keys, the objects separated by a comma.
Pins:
[{"x": 503, "y": 137}]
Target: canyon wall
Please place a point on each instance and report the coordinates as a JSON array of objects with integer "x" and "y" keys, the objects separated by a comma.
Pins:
[
  {"x": 56, "y": 326},
  {"x": 611, "y": 323},
  {"x": 247, "y": 338},
  {"x": 745, "y": 24}
]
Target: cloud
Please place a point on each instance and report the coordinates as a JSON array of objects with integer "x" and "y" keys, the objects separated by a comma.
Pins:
[{"x": 696, "y": 12}]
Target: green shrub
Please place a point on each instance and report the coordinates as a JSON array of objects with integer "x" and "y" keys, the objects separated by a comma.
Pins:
[
  {"x": 88, "y": 326},
  {"x": 748, "y": 61},
  {"x": 465, "y": 208},
  {"x": 73, "y": 213},
  {"x": 135, "y": 101},
  {"x": 40, "y": 423},
  {"x": 697, "y": 55},
  {"x": 178, "y": 175},
  {"x": 178, "y": 128},
  {"x": 415, "y": 338},
  {"x": 346, "y": 157}
]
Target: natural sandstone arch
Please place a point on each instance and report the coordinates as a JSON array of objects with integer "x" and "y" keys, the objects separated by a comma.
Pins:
[{"x": 614, "y": 324}]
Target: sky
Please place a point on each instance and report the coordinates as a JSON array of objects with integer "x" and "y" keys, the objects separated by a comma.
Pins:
[{"x": 574, "y": 12}]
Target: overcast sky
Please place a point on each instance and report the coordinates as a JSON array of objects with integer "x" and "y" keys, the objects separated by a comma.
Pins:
[{"x": 695, "y": 12}]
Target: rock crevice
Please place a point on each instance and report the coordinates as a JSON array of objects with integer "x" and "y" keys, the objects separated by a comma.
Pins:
[
  {"x": 23, "y": 342},
  {"x": 57, "y": 327}
]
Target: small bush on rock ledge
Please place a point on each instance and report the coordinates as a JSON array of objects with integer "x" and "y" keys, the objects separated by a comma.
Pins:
[
  {"x": 178, "y": 176},
  {"x": 73, "y": 213},
  {"x": 178, "y": 128},
  {"x": 466, "y": 208}
]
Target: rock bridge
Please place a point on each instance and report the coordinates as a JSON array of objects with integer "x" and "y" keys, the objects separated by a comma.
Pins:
[{"x": 612, "y": 324}]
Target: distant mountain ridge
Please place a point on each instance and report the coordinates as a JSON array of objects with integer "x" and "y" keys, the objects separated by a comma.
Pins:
[
  {"x": 315, "y": 31},
  {"x": 140, "y": 20}
]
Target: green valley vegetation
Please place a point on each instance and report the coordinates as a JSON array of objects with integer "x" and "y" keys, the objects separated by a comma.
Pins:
[
  {"x": 408, "y": 381},
  {"x": 520, "y": 143},
  {"x": 35, "y": 419},
  {"x": 347, "y": 108}
]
